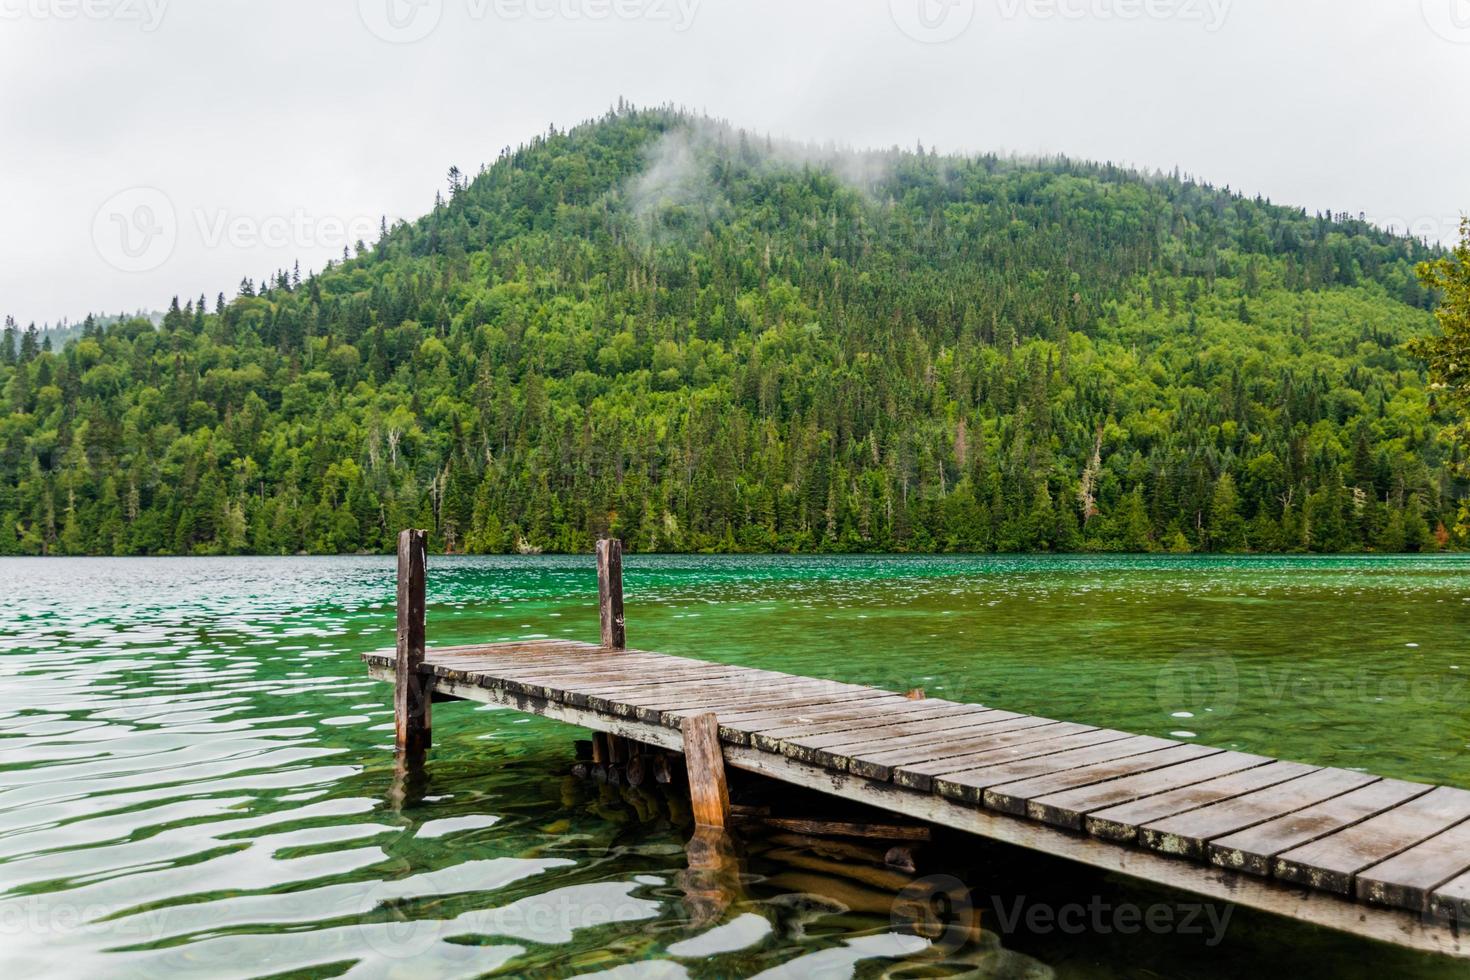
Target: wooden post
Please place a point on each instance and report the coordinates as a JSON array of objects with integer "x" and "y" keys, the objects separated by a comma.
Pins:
[
  {"x": 708, "y": 793},
  {"x": 411, "y": 702},
  {"x": 610, "y": 593}
]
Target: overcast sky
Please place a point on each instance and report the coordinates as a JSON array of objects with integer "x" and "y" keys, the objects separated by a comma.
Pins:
[{"x": 158, "y": 147}]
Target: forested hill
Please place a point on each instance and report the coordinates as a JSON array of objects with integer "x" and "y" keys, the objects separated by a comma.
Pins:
[{"x": 698, "y": 339}]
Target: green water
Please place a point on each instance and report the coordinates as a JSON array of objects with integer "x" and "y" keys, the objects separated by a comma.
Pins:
[{"x": 196, "y": 779}]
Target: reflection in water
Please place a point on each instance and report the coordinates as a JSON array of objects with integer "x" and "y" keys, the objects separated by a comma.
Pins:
[
  {"x": 712, "y": 884},
  {"x": 197, "y": 778}
]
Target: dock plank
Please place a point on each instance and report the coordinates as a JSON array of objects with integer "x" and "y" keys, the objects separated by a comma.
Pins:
[
  {"x": 878, "y": 761},
  {"x": 1407, "y": 880},
  {"x": 1331, "y": 864},
  {"x": 916, "y": 719},
  {"x": 1070, "y": 808},
  {"x": 833, "y": 750},
  {"x": 971, "y": 784},
  {"x": 924, "y": 744},
  {"x": 1254, "y": 849},
  {"x": 1122, "y": 823},
  {"x": 851, "y": 711},
  {"x": 1189, "y": 833},
  {"x": 1038, "y": 739},
  {"x": 903, "y": 734},
  {"x": 1016, "y": 797},
  {"x": 1451, "y": 901}
]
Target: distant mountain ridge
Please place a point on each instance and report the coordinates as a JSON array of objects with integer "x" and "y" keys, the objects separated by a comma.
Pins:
[{"x": 661, "y": 327}]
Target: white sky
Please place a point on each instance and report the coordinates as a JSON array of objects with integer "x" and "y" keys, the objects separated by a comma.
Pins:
[{"x": 266, "y": 126}]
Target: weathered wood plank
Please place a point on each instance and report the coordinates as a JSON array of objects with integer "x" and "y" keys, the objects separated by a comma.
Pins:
[
  {"x": 566, "y": 676},
  {"x": 848, "y": 709},
  {"x": 1010, "y": 746},
  {"x": 1070, "y": 808},
  {"x": 1332, "y": 862},
  {"x": 565, "y": 682},
  {"x": 904, "y": 712},
  {"x": 1122, "y": 823},
  {"x": 1189, "y": 833},
  {"x": 834, "y": 828},
  {"x": 1407, "y": 880},
  {"x": 708, "y": 793},
  {"x": 791, "y": 689},
  {"x": 852, "y": 709},
  {"x": 1253, "y": 850},
  {"x": 737, "y": 688},
  {"x": 1451, "y": 902},
  {"x": 881, "y": 762},
  {"x": 1015, "y": 797},
  {"x": 507, "y": 650},
  {"x": 886, "y": 728},
  {"x": 610, "y": 593},
  {"x": 741, "y": 689},
  {"x": 782, "y": 707},
  {"x": 719, "y": 685},
  {"x": 971, "y": 784},
  {"x": 628, "y": 685},
  {"x": 672, "y": 716},
  {"x": 412, "y": 703}
]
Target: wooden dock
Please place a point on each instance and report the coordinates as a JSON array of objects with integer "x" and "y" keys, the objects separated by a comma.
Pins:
[{"x": 1380, "y": 858}]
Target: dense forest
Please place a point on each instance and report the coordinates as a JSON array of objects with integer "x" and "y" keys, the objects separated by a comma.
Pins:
[{"x": 696, "y": 338}]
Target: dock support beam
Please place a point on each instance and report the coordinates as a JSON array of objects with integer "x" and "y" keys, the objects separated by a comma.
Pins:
[
  {"x": 411, "y": 700},
  {"x": 708, "y": 793},
  {"x": 610, "y": 593}
]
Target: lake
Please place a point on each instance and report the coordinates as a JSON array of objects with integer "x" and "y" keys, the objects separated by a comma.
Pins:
[{"x": 196, "y": 777}]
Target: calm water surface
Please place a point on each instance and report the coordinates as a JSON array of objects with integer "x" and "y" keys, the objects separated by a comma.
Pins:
[{"x": 196, "y": 778}]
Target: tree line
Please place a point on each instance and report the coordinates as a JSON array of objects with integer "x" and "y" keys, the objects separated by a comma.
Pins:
[{"x": 695, "y": 338}]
